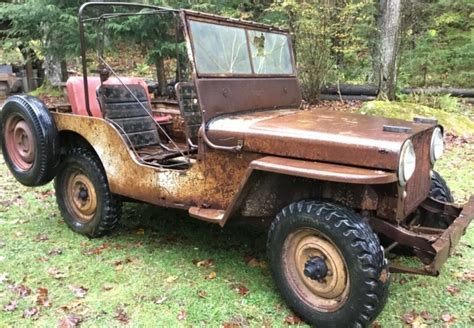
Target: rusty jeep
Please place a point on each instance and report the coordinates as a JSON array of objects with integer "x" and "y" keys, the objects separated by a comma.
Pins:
[{"x": 336, "y": 191}]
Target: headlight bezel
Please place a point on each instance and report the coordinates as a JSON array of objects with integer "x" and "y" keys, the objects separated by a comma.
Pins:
[
  {"x": 436, "y": 140},
  {"x": 406, "y": 162}
]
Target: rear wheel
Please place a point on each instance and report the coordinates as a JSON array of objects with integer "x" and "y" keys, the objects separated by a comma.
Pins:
[
  {"x": 328, "y": 264},
  {"x": 83, "y": 195}
]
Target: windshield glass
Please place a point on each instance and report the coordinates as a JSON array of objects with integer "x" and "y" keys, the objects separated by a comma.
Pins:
[{"x": 228, "y": 50}]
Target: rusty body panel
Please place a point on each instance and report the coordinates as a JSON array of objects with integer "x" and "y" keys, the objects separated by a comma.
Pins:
[
  {"x": 208, "y": 183},
  {"x": 231, "y": 95},
  {"x": 320, "y": 135}
]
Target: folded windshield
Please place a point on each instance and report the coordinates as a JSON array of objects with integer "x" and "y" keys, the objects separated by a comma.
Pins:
[{"x": 228, "y": 50}]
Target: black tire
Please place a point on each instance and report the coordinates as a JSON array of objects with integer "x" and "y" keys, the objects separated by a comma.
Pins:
[
  {"x": 366, "y": 277},
  {"x": 84, "y": 167},
  {"x": 40, "y": 167},
  {"x": 439, "y": 191}
]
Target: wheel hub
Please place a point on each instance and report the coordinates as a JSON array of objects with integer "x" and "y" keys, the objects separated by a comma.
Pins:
[
  {"x": 20, "y": 142},
  {"x": 81, "y": 196},
  {"x": 315, "y": 268}
]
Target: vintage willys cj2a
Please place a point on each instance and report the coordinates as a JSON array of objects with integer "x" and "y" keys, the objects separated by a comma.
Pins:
[{"x": 332, "y": 188}]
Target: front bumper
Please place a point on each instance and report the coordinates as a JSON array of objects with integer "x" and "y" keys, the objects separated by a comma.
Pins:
[
  {"x": 432, "y": 246},
  {"x": 448, "y": 240}
]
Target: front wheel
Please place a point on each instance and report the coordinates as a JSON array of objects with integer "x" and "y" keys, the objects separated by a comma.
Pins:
[
  {"x": 83, "y": 195},
  {"x": 328, "y": 264}
]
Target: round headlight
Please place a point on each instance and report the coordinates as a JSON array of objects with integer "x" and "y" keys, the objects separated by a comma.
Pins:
[
  {"x": 407, "y": 164},
  {"x": 437, "y": 145}
]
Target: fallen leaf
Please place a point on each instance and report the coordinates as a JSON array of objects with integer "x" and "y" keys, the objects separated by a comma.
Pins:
[
  {"x": 21, "y": 290},
  {"x": 211, "y": 275},
  {"x": 447, "y": 317},
  {"x": 72, "y": 306},
  {"x": 71, "y": 321},
  {"x": 293, "y": 320},
  {"x": 55, "y": 252},
  {"x": 161, "y": 300},
  {"x": 254, "y": 263},
  {"x": 97, "y": 250},
  {"x": 171, "y": 279},
  {"x": 202, "y": 294},
  {"x": 42, "y": 297},
  {"x": 426, "y": 315},
  {"x": 42, "y": 259},
  {"x": 230, "y": 325},
  {"x": 376, "y": 324},
  {"x": 121, "y": 315},
  {"x": 107, "y": 287},
  {"x": 18, "y": 234},
  {"x": 402, "y": 281},
  {"x": 41, "y": 237},
  {"x": 468, "y": 275},
  {"x": 242, "y": 290},
  {"x": 141, "y": 231},
  {"x": 181, "y": 315},
  {"x": 203, "y": 263},
  {"x": 10, "y": 307},
  {"x": 452, "y": 289},
  {"x": 409, "y": 317},
  {"x": 56, "y": 273},
  {"x": 79, "y": 291},
  {"x": 31, "y": 312}
]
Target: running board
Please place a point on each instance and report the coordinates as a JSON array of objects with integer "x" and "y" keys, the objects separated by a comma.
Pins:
[{"x": 207, "y": 214}]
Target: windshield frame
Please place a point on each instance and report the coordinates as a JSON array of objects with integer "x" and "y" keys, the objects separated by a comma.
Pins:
[{"x": 247, "y": 27}]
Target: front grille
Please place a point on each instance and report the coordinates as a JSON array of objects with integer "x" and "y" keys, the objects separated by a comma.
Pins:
[{"x": 418, "y": 187}]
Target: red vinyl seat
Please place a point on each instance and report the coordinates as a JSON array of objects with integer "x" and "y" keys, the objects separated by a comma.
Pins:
[{"x": 75, "y": 91}]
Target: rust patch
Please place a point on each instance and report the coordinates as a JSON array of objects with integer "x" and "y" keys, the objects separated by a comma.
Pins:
[{"x": 211, "y": 182}]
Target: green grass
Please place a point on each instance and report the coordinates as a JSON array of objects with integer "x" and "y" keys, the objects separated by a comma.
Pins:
[{"x": 149, "y": 259}]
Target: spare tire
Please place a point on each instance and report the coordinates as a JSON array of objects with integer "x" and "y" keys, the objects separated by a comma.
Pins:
[{"x": 29, "y": 139}]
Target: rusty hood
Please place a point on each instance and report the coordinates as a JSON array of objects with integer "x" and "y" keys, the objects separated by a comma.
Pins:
[{"x": 329, "y": 136}]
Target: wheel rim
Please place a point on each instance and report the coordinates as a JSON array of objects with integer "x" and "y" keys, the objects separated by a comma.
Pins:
[
  {"x": 20, "y": 142},
  {"x": 81, "y": 197},
  {"x": 316, "y": 270}
]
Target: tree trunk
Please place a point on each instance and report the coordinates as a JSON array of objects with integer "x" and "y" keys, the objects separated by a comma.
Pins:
[
  {"x": 52, "y": 69},
  {"x": 387, "y": 47},
  {"x": 160, "y": 75}
]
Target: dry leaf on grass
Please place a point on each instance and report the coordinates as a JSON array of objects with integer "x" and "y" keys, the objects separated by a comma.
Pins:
[
  {"x": 21, "y": 290},
  {"x": 41, "y": 237},
  {"x": 56, "y": 273},
  {"x": 204, "y": 263},
  {"x": 293, "y": 320},
  {"x": 42, "y": 297},
  {"x": 79, "y": 291},
  {"x": 211, "y": 275},
  {"x": 202, "y": 294},
  {"x": 55, "y": 252},
  {"x": 11, "y": 306},
  {"x": 452, "y": 289},
  {"x": 409, "y": 317},
  {"x": 121, "y": 315},
  {"x": 71, "y": 321},
  {"x": 181, "y": 315},
  {"x": 31, "y": 312},
  {"x": 447, "y": 317}
]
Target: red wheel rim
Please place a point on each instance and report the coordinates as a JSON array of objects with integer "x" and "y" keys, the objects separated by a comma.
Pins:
[{"x": 20, "y": 142}]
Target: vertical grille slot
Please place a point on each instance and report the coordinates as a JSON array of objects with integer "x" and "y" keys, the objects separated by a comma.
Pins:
[{"x": 418, "y": 186}]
